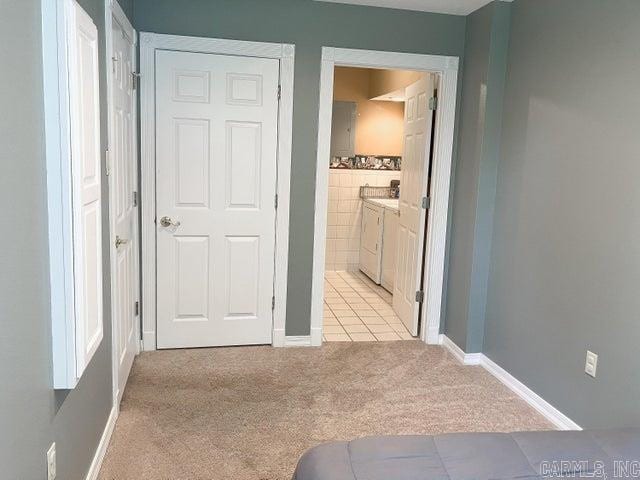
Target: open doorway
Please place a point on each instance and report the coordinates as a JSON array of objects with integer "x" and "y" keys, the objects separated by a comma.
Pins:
[
  {"x": 381, "y": 135},
  {"x": 349, "y": 263}
]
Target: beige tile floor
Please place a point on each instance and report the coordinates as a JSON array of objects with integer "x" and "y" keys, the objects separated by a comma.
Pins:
[{"x": 358, "y": 310}]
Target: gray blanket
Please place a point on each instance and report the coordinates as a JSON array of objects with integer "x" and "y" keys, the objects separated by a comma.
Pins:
[{"x": 477, "y": 456}]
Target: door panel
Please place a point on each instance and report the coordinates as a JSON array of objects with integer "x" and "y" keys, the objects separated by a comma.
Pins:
[
  {"x": 124, "y": 180},
  {"x": 192, "y": 162},
  {"x": 243, "y": 260},
  {"x": 417, "y": 132},
  {"x": 192, "y": 277},
  {"x": 244, "y": 142},
  {"x": 216, "y": 120}
]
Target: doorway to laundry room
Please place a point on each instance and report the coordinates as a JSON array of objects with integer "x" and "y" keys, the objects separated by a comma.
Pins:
[{"x": 381, "y": 142}]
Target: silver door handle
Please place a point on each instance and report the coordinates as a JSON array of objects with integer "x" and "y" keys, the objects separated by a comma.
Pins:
[
  {"x": 167, "y": 222},
  {"x": 120, "y": 241}
]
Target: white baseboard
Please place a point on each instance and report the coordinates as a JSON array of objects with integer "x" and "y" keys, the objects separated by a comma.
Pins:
[
  {"x": 551, "y": 413},
  {"x": 456, "y": 351},
  {"x": 96, "y": 463},
  {"x": 297, "y": 341}
]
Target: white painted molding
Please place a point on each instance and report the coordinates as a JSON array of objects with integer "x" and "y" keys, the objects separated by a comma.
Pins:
[
  {"x": 96, "y": 463},
  {"x": 447, "y": 69},
  {"x": 149, "y": 43},
  {"x": 278, "y": 337},
  {"x": 148, "y": 194},
  {"x": 456, "y": 351},
  {"x": 298, "y": 341},
  {"x": 551, "y": 413},
  {"x": 316, "y": 337},
  {"x": 285, "y": 141},
  {"x": 59, "y": 185}
]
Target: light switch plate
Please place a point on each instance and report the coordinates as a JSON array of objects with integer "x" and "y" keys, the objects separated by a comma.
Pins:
[
  {"x": 591, "y": 364},
  {"x": 51, "y": 462}
]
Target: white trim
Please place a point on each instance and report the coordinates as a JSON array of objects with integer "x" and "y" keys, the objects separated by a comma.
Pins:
[
  {"x": 447, "y": 68},
  {"x": 113, "y": 10},
  {"x": 96, "y": 463},
  {"x": 551, "y": 413},
  {"x": 60, "y": 226},
  {"x": 297, "y": 341},
  {"x": 456, "y": 351},
  {"x": 149, "y": 43}
]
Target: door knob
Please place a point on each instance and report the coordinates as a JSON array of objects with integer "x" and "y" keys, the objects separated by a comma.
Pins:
[
  {"x": 120, "y": 241},
  {"x": 167, "y": 222}
]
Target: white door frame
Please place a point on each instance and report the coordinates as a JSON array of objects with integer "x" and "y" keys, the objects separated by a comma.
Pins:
[
  {"x": 447, "y": 69},
  {"x": 149, "y": 43},
  {"x": 112, "y": 11}
]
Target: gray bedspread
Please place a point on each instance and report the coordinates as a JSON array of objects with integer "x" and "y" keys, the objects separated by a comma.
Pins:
[{"x": 477, "y": 456}]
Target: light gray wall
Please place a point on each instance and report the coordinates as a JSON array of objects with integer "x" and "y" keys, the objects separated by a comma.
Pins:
[
  {"x": 565, "y": 265},
  {"x": 32, "y": 414},
  {"x": 309, "y": 25},
  {"x": 486, "y": 47}
]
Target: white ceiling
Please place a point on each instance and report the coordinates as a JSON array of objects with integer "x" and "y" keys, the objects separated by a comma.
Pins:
[{"x": 453, "y": 7}]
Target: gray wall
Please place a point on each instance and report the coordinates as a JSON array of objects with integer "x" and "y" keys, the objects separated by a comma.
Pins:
[
  {"x": 309, "y": 25},
  {"x": 565, "y": 265},
  {"x": 486, "y": 48},
  {"x": 32, "y": 414}
]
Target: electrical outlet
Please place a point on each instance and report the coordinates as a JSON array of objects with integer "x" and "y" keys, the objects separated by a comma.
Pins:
[
  {"x": 592, "y": 364},
  {"x": 51, "y": 462}
]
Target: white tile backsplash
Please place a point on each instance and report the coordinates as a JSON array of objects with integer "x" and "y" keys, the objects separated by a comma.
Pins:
[{"x": 345, "y": 214}]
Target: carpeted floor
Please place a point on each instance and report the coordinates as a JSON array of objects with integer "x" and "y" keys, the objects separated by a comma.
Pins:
[{"x": 248, "y": 413}]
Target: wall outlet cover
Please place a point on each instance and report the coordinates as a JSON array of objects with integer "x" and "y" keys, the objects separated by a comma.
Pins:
[
  {"x": 51, "y": 462},
  {"x": 591, "y": 364}
]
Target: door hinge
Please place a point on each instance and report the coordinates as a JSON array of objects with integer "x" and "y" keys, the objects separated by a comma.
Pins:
[
  {"x": 114, "y": 61},
  {"x": 107, "y": 162},
  {"x": 426, "y": 203},
  {"x": 135, "y": 199},
  {"x": 136, "y": 308},
  {"x": 433, "y": 103},
  {"x": 420, "y": 296},
  {"x": 135, "y": 79},
  {"x": 279, "y": 91},
  {"x": 273, "y": 303},
  {"x": 276, "y": 201}
]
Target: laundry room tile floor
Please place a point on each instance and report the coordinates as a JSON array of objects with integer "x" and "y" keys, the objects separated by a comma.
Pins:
[{"x": 358, "y": 310}]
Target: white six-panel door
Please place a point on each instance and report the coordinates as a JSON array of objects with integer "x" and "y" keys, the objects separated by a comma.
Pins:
[
  {"x": 216, "y": 141},
  {"x": 123, "y": 178},
  {"x": 413, "y": 186}
]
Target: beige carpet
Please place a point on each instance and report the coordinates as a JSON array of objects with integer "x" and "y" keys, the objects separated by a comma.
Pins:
[{"x": 250, "y": 412}]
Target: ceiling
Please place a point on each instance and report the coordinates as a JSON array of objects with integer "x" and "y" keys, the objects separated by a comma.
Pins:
[{"x": 453, "y": 7}]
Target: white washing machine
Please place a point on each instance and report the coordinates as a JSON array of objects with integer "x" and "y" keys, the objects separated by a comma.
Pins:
[{"x": 372, "y": 248}]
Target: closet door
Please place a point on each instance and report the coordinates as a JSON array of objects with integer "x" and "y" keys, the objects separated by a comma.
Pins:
[{"x": 86, "y": 169}]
